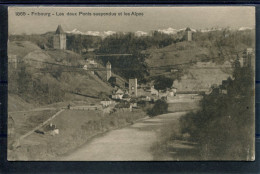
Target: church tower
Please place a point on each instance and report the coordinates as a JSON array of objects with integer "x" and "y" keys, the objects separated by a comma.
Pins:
[
  {"x": 133, "y": 87},
  {"x": 108, "y": 67},
  {"x": 59, "y": 39}
]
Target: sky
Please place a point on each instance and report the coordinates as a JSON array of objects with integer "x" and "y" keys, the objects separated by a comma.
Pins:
[{"x": 153, "y": 18}]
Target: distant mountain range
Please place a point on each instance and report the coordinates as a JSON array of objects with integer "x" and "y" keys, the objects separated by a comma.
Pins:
[
  {"x": 92, "y": 33},
  {"x": 169, "y": 31}
]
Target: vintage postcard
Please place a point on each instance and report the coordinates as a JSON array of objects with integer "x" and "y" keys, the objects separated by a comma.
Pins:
[{"x": 131, "y": 83}]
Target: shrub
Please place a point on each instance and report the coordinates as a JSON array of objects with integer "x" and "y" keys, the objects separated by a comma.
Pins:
[
  {"x": 123, "y": 104},
  {"x": 160, "y": 107}
]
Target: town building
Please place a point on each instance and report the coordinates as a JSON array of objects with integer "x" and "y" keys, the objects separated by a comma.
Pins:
[
  {"x": 133, "y": 87},
  {"x": 107, "y": 102},
  {"x": 90, "y": 65},
  {"x": 172, "y": 92},
  {"x": 154, "y": 91},
  {"x": 59, "y": 39},
  {"x": 145, "y": 98},
  {"x": 126, "y": 97},
  {"x": 91, "y": 61},
  {"x": 114, "y": 80},
  {"x": 117, "y": 94}
]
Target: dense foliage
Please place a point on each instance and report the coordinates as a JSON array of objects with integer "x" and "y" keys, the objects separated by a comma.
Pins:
[
  {"x": 160, "y": 107},
  {"x": 81, "y": 43},
  {"x": 224, "y": 127},
  {"x": 162, "y": 83},
  {"x": 132, "y": 65}
]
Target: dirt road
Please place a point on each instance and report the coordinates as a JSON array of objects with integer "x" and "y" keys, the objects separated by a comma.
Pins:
[{"x": 132, "y": 143}]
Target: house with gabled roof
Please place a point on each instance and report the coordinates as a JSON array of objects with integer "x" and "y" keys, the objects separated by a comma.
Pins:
[{"x": 118, "y": 94}]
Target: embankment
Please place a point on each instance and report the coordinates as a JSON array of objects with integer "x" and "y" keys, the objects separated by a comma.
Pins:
[{"x": 75, "y": 128}]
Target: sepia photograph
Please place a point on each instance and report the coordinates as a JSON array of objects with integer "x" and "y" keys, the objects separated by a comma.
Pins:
[{"x": 131, "y": 83}]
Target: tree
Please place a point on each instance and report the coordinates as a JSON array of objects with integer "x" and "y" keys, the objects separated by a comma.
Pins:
[
  {"x": 224, "y": 125},
  {"x": 160, "y": 107},
  {"x": 162, "y": 83}
]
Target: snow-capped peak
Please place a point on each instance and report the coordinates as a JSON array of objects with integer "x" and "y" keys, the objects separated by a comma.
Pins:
[
  {"x": 244, "y": 28},
  {"x": 140, "y": 33},
  {"x": 92, "y": 33},
  {"x": 74, "y": 31},
  {"x": 168, "y": 31},
  {"x": 209, "y": 30},
  {"x": 174, "y": 31}
]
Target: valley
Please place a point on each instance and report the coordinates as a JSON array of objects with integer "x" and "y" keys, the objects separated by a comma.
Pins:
[{"x": 84, "y": 96}]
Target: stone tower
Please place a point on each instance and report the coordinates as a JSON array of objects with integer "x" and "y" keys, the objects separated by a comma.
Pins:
[
  {"x": 59, "y": 39},
  {"x": 133, "y": 87},
  {"x": 188, "y": 34},
  {"x": 108, "y": 67}
]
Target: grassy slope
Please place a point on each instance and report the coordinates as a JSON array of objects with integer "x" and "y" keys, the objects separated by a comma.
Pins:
[
  {"x": 72, "y": 78},
  {"x": 15, "y": 103},
  {"x": 201, "y": 79},
  {"x": 21, "y": 48},
  {"x": 75, "y": 128},
  {"x": 181, "y": 52},
  {"x": 195, "y": 79}
]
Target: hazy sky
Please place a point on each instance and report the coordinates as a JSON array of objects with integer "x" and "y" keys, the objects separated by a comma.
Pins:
[{"x": 153, "y": 18}]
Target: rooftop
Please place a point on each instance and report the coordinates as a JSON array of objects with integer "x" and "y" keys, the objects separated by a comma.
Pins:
[
  {"x": 188, "y": 29},
  {"x": 59, "y": 30}
]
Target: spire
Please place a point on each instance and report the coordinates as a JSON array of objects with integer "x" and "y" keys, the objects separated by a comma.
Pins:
[
  {"x": 108, "y": 63},
  {"x": 59, "y": 30}
]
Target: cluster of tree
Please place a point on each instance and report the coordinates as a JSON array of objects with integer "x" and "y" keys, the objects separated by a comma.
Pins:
[
  {"x": 162, "y": 83},
  {"x": 230, "y": 37},
  {"x": 225, "y": 45},
  {"x": 128, "y": 43},
  {"x": 81, "y": 43},
  {"x": 133, "y": 65},
  {"x": 160, "y": 107},
  {"x": 224, "y": 126}
]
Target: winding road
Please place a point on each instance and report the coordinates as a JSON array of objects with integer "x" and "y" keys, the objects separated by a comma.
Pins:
[{"x": 131, "y": 143}]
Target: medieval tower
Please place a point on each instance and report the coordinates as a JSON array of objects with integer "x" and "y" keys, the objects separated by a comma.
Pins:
[
  {"x": 133, "y": 87},
  {"x": 188, "y": 33},
  {"x": 108, "y": 68},
  {"x": 59, "y": 39}
]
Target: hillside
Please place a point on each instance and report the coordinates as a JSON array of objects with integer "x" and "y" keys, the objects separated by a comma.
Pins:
[
  {"x": 201, "y": 79},
  {"x": 16, "y": 103},
  {"x": 188, "y": 53},
  {"x": 196, "y": 65},
  {"x": 181, "y": 52},
  {"x": 49, "y": 76},
  {"x": 21, "y": 48}
]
